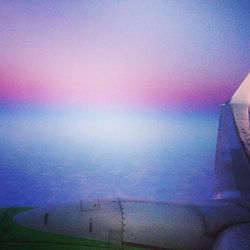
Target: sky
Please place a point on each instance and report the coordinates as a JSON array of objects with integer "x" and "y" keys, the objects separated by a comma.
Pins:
[
  {"x": 64, "y": 157},
  {"x": 146, "y": 54},
  {"x": 178, "y": 59}
]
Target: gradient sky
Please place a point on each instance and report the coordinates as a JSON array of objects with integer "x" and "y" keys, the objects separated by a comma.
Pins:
[{"x": 123, "y": 53}]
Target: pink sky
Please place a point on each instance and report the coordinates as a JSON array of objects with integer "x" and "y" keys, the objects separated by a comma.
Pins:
[{"x": 142, "y": 53}]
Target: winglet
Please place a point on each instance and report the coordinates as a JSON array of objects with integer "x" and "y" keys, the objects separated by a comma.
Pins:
[
  {"x": 232, "y": 164},
  {"x": 242, "y": 95}
]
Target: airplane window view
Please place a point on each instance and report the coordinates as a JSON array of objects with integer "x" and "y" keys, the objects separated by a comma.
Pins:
[{"x": 124, "y": 124}]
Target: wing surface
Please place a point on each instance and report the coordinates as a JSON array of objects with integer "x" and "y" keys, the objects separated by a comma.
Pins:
[{"x": 232, "y": 163}]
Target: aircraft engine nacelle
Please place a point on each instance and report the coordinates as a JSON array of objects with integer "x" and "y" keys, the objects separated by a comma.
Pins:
[
  {"x": 233, "y": 238},
  {"x": 137, "y": 224}
]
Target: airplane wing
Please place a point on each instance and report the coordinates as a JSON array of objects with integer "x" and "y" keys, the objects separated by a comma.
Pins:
[{"x": 232, "y": 162}]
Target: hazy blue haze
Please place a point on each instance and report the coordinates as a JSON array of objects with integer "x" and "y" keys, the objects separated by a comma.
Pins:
[{"x": 50, "y": 157}]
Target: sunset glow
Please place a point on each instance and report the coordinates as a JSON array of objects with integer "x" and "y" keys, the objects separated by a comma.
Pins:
[{"x": 122, "y": 53}]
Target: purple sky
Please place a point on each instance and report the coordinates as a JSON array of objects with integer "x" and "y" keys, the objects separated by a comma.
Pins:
[
  {"x": 156, "y": 55},
  {"x": 123, "y": 53}
]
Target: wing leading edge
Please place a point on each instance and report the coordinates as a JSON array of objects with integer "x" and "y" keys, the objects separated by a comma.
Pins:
[{"x": 232, "y": 163}]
